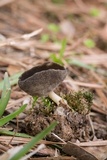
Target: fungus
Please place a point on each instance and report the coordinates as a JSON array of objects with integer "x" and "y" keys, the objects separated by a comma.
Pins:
[{"x": 42, "y": 80}]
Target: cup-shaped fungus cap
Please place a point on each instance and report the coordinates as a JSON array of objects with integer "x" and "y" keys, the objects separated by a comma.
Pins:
[{"x": 42, "y": 79}]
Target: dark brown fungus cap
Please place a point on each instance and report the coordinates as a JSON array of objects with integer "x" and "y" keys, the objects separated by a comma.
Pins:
[{"x": 42, "y": 79}]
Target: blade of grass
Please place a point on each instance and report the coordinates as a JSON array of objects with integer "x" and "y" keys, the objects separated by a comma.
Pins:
[
  {"x": 63, "y": 47},
  {"x": 13, "y": 80},
  {"x": 80, "y": 64},
  {"x": 56, "y": 59},
  {"x": 6, "y": 84},
  {"x": 5, "y": 132},
  {"x": 12, "y": 115},
  {"x": 5, "y": 94},
  {"x": 34, "y": 141}
]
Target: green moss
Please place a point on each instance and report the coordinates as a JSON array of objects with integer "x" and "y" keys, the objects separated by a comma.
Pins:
[{"x": 80, "y": 101}]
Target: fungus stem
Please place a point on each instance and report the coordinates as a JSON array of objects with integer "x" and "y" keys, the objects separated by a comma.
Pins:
[{"x": 57, "y": 99}]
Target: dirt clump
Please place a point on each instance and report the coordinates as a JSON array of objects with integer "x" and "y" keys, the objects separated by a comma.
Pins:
[{"x": 72, "y": 126}]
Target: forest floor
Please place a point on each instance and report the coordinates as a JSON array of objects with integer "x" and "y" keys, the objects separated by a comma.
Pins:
[{"x": 72, "y": 33}]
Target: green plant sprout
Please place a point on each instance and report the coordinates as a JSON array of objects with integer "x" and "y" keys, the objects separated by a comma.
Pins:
[
  {"x": 48, "y": 105},
  {"x": 89, "y": 43},
  {"x": 94, "y": 12},
  {"x": 35, "y": 98},
  {"x": 59, "y": 58},
  {"x": 45, "y": 37},
  {"x": 53, "y": 27},
  {"x": 46, "y": 102},
  {"x": 80, "y": 101}
]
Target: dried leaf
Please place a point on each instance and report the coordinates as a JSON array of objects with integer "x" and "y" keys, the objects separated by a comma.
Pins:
[{"x": 78, "y": 152}]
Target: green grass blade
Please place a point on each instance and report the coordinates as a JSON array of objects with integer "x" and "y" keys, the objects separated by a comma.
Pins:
[
  {"x": 80, "y": 64},
  {"x": 5, "y": 94},
  {"x": 13, "y": 80},
  {"x": 6, "y": 84},
  {"x": 34, "y": 141},
  {"x": 10, "y": 133},
  {"x": 12, "y": 115},
  {"x": 56, "y": 59},
  {"x": 62, "y": 50}
]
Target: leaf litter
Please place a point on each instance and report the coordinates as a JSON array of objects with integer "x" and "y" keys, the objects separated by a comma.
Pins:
[{"x": 22, "y": 47}]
